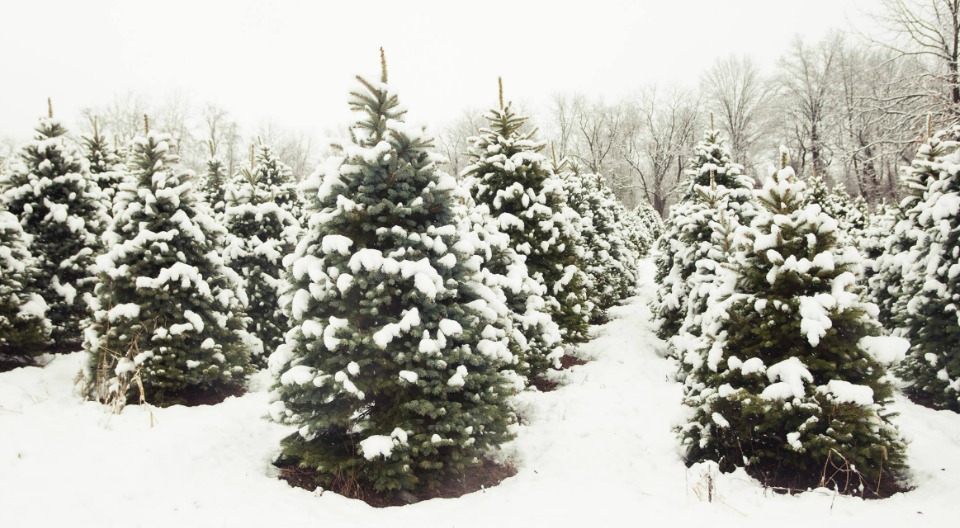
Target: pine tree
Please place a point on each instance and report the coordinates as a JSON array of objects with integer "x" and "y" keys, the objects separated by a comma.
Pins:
[
  {"x": 650, "y": 219},
  {"x": 928, "y": 311},
  {"x": 106, "y": 167},
  {"x": 528, "y": 199},
  {"x": 790, "y": 384},
  {"x": 887, "y": 285},
  {"x": 386, "y": 373},
  {"x": 608, "y": 259},
  {"x": 24, "y": 328},
  {"x": 53, "y": 195},
  {"x": 214, "y": 183},
  {"x": 689, "y": 228},
  {"x": 261, "y": 233},
  {"x": 169, "y": 310},
  {"x": 511, "y": 299}
]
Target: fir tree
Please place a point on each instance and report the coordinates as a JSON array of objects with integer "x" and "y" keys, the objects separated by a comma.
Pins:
[
  {"x": 386, "y": 373},
  {"x": 689, "y": 226},
  {"x": 169, "y": 310},
  {"x": 24, "y": 328},
  {"x": 608, "y": 259},
  {"x": 261, "y": 233},
  {"x": 928, "y": 311},
  {"x": 53, "y": 195},
  {"x": 887, "y": 285},
  {"x": 106, "y": 167},
  {"x": 529, "y": 202},
  {"x": 512, "y": 300},
  {"x": 214, "y": 183},
  {"x": 789, "y": 383},
  {"x": 650, "y": 219}
]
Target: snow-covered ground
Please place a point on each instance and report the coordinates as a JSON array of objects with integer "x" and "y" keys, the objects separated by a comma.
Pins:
[{"x": 599, "y": 451}]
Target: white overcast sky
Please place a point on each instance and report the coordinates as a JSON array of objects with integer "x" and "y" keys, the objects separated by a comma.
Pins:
[{"x": 294, "y": 61}]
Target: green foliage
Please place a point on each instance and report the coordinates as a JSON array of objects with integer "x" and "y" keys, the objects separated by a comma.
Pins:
[
  {"x": 386, "y": 373},
  {"x": 169, "y": 310}
]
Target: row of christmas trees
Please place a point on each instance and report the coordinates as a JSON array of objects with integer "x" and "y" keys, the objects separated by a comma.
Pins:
[
  {"x": 404, "y": 307},
  {"x": 781, "y": 354}
]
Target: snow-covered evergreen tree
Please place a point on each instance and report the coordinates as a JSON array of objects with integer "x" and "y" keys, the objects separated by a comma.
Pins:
[
  {"x": 261, "y": 233},
  {"x": 689, "y": 228},
  {"x": 24, "y": 328},
  {"x": 387, "y": 372},
  {"x": 528, "y": 200},
  {"x": 791, "y": 381},
  {"x": 215, "y": 184},
  {"x": 106, "y": 167},
  {"x": 52, "y": 193},
  {"x": 931, "y": 283},
  {"x": 169, "y": 309},
  {"x": 504, "y": 287},
  {"x": 608, "y": 258},
  {"x": 650, "y": 219},
  {"x": 887, "y": 284}
]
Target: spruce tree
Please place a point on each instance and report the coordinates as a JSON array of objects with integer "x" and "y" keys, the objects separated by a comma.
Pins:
[
  {"x": 887, "y": 286},
  {"x": 650, "y": 219},
  {"x": 52, "y": 193},
  {"x": 24, "y": 328},
  {"x": 214, "y": 183},
  {"x": 106, "y": 167},
  {"x": 689, "y": 228},
  {"x": 514, "y": 180},
  {"x": 608, "y": 259},
  {"x": 261, "y": 233},
  {"x": 386, "y": 373},
  {"x": 790, "y": 383},
  {"x": 928, "y": 311},
  {"x": 169, "y": 310}
]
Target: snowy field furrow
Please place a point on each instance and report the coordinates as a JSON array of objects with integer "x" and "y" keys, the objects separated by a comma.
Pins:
[{"x": 598, "y": 451}]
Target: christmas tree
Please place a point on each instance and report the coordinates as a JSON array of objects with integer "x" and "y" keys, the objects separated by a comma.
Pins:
[
  {"x": 791, "y": 383},
  {"x": 387, "y": 373},
  {"x": 688, "y": 230},
  {"x": 529, "y": 202},
  {"x": 608, "y": 259},
  {"x": 106, "y": 167},
  {"x": 928, "y": 313},
  {"x": 54, "y": 196},
  {"x": 24, "y": 328},
  {"x": 261, "y": 233},
  {"x": 169, "y": 313},
  {"x": 214, "y": 183},
  {"x": 887, "y": 286},
  {"x": 650, "y": 218}
]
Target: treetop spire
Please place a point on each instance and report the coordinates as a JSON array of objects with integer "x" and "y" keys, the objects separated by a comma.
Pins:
[
  {"x": 500, "y": 87},
  {"x": 383, "y": 66},
  {"x": 146, "y": 124},
  {"x": 50, "y": 108}
]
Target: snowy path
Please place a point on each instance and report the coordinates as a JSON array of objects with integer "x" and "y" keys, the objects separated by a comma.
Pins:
[{"x": 598, "y": 451}]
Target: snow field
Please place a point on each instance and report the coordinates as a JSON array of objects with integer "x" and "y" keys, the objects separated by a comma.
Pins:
[{"x": 598, "y": 451}]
